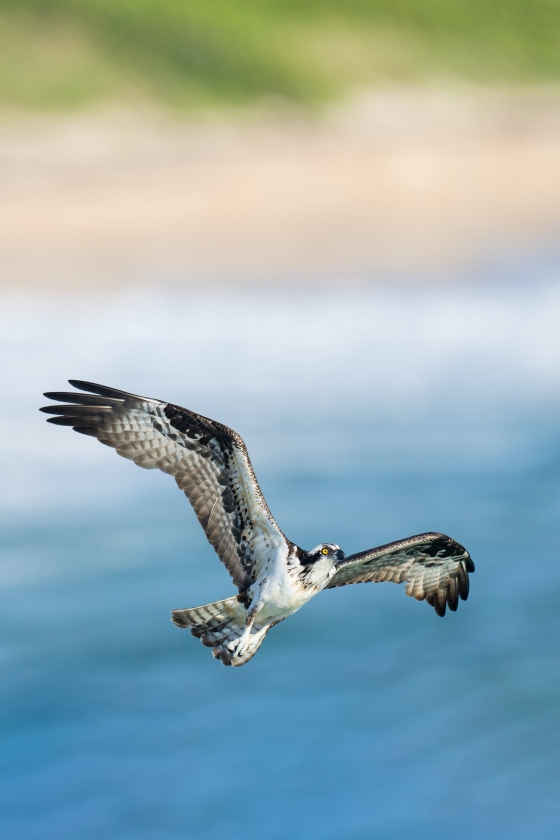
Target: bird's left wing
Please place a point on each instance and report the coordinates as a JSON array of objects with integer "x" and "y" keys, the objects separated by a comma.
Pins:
[
  {"x": 209, "y": 462},
  {"x": 434, "y": 567}
]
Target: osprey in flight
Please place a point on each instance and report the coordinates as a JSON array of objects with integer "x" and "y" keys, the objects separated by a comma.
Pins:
[{"x": 274, "y": 577}]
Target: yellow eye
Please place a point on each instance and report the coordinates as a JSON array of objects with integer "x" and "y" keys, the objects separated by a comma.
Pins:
[{"x": 324, "y": 551}]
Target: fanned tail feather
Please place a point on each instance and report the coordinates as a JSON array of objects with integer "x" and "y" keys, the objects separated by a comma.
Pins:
[{"x": 219, "y": 624}]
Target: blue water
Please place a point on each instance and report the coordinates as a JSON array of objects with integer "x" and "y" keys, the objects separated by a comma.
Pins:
[{"x": 370, "y": 415}]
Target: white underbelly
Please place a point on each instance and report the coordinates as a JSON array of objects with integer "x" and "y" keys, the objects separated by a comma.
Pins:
[{"x": 282, "y": 593}]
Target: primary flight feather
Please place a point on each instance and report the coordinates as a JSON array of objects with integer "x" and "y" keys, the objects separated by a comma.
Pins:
[{"x": 274, "y": 577}]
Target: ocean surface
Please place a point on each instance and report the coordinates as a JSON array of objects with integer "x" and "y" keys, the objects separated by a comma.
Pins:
[{"x": 370, "y": 415}]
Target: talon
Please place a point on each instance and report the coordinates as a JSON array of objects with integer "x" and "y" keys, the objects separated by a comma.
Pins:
[{"x": 239, "y": 646}]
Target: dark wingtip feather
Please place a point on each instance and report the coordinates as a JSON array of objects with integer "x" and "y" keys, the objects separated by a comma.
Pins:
[
  {"x": 87, "y": 430},
  {"x": 101, "y": 390},
  {"x": 63, "y": 421},
  {"x": 453, "y": 594},
  {"x": 463, "y": 583},
  {"x": 80, "y": 399},
  {"x": 440, "y": 601},
  {"x": 82, "y": 385},
  {"x": 79, "y": 410}
]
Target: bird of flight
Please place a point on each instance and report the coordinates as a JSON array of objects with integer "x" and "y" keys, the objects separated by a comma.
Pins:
[{"x": 274, "y": 577}]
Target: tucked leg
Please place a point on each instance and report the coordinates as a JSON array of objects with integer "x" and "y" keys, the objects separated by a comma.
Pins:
[{"x": 239, "y": 646}]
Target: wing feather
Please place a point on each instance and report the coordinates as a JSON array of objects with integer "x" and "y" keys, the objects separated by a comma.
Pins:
[
  {"x": 433, "y": 566},
  {"x": 209, "y": 462}
]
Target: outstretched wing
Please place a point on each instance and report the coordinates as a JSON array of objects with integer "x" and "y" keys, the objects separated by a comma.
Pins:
[
  {"x": 209, "y": 462},
  {"x": 434, "y": 567}
]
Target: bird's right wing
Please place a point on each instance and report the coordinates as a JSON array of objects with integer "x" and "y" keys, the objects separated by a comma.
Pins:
[
  {"x": 434, "y": 567},
  {"x": 209, "y": 462}
]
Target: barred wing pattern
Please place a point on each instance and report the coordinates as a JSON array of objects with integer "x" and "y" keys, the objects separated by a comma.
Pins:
[
  {"x": 209, "y": 462},
  {"x": 434, "y": 567}
]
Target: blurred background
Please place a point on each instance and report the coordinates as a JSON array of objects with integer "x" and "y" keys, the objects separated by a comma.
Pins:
[{"x": 333, "y": 227}]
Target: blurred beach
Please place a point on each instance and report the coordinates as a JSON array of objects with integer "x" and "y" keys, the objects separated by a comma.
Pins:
[
  {"x": 334, "y": 228},
  {"x": 410, "y": 185}
]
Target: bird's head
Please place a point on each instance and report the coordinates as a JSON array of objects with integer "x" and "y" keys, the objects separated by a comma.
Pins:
[{"x": 325, "y": 551}]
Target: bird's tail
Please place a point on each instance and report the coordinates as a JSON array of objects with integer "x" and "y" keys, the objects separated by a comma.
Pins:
[{"x": 219, "y": 624}]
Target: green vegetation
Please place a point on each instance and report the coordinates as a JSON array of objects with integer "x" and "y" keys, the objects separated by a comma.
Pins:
[{"x": 189, "y": 53}]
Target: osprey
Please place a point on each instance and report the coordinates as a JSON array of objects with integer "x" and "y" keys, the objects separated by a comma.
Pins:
[{"x": 274, "y": 577}]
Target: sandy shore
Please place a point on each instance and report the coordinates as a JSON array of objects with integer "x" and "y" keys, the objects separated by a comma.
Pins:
[{"x": 399, "y": 182}]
